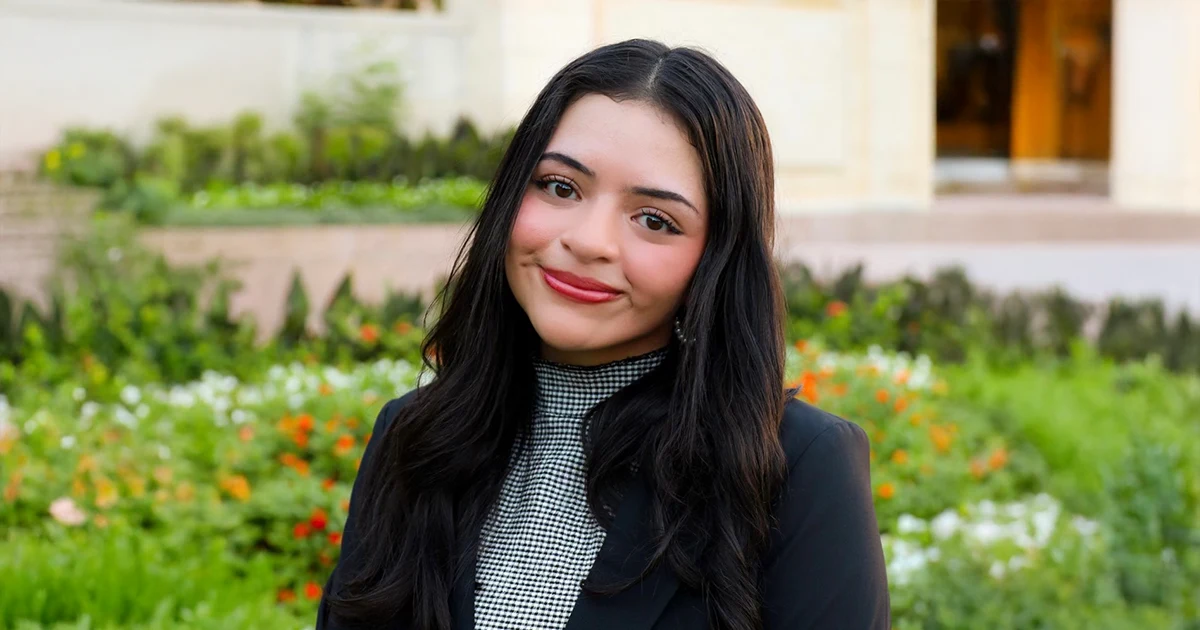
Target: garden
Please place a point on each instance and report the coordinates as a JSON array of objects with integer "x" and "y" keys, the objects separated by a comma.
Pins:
[{"x": 1035, "y": 458}]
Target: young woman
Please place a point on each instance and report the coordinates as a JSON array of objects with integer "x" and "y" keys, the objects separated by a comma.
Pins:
[{"x": 607, "y": 443}]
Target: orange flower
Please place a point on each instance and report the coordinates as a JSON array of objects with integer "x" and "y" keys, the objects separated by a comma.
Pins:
[
  {"x": 185, "y": 492},
  {"x": 324, "y": 559},
  {"x": 295, "y": 463},
  {"x": 915, "y": 420},
  {"x": 301, "y": 439},
  {"x": 325, "y": 389},
  {"x": 368, "y": 437},
  {"x": 305, "y": 423},
  {"x": 887, "y": 491},
  {"x": 901, "y": 377},
  {"x": 369, "y": 333},
  {"x": 977, "y": 469},
  {"x": 312, "y": 590},
  {"x": 344, "y": 445},
  {"x": 246, "y": 434},
  {"x": 13, "y": 488},
  {"x": 287, "y": 595},
  {"x": 835, "y": 308},
  {"x": 344, "y": 505},
  {"x": 352, "y": 423},
  {"x": 319, "y": 519},
  {"x": 940, "y": 437},
  {"x": 335, "y": 538},
  {"x": 801, "y": 345},
  {"x": 881, "y": 395},
  {"x": 998, "y": 459},
  {"x": 237, "y": 487},
  {"x": 286, "y": 424},
  {"x": 301, "y": 530},
  {"x": 900, "y": 457},
  {"x": 331, "y": 425},
  {"x": 901, "y": 404},
  {"x": 327, "y": 485},
  {"x": 402, "y": 327},
  {"x": 840, "y": 389}
]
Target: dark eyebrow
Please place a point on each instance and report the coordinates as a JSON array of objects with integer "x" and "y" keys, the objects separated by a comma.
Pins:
[
  {"x": 667, "y": 195},
  {"x": 569, "y": 161}
]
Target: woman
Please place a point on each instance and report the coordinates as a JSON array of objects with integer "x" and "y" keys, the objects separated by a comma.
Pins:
[{"x": 607, "y": 443}]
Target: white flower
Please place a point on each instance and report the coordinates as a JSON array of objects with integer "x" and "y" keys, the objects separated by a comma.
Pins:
[
  {"x": 66, "y": 512},
  {"x": 239, "y": 416},
  {"x": 124, "y": 418},
  {"x": 8, "y": 430},
  {"x": 131, "y": 395},
  {"x": 909, "y": 524},
  {"x": 89, "y": 410},
  {"x": 142, "y": 411},
  {"x": 67, "y": 441},
  {"x": 79, "y": 394},
  {"x": 1086, "y": 527},
  {"x": 944, "y": 525},
  {"x": 164, "y": 452},
  {"x": 997, "y": 570}
]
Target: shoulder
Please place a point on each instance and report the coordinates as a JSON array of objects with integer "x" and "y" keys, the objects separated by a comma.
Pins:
[
  {"x": 390, "y": 409},
  {"x": 808, "y": 432}
]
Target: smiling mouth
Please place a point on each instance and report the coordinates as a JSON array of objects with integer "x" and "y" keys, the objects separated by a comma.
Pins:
[{"x": 578, "y": 288}]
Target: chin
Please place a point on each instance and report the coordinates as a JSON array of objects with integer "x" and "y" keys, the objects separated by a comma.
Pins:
[{"x": 570, "y": 336}]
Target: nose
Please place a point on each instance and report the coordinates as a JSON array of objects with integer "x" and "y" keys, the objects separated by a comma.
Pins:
[{"x": 594, "y": 235}]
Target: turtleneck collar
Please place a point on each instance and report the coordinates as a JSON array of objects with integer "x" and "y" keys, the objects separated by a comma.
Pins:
[{"x": 570, "y": 391}]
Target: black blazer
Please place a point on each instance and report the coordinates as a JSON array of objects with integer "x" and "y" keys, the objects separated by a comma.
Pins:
[{"x": 824, "y": 568}]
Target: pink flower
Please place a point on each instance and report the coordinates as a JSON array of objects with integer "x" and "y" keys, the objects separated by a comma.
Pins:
[{"x": 66, "y": 512}]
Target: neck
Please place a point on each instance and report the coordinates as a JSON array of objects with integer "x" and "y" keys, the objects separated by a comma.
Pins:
[{"x": 656, "y": 340}]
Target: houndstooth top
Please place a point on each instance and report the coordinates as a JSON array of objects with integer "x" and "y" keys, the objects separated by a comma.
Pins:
[{"x": 541, "y": 539}]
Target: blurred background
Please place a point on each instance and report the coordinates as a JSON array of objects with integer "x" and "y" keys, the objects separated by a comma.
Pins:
[{"x": 221, "y": 224}]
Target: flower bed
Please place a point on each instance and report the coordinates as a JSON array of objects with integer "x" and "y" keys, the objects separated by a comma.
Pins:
[{"x": 148, "y": 481}]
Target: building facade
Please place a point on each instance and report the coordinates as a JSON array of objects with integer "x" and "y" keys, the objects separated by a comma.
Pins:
[{"x": 869, "y": 102}]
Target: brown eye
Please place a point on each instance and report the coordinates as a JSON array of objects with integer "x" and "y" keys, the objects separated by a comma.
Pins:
[
  {"x": 655, "y": 223},
  {"x": 560, "y": 190}
]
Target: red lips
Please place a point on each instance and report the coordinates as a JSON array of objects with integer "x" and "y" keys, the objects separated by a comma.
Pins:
[{"x": 579, "y": 288}]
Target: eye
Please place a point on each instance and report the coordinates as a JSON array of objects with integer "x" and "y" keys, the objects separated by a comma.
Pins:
[
  {"x": 655, "y": 222},
  {"x": 557, "y": 188}
]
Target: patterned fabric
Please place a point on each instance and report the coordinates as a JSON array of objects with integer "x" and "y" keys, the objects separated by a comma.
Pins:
[{"x": 541, "y": 539}]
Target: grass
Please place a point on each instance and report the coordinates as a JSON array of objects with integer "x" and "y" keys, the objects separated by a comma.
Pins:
[{"x": 115, "y": 578}]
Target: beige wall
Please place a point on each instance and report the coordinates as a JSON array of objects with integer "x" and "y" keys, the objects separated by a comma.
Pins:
[
  {"x": 1156, "y": 108},
  {"x": 845, "y": 85}
]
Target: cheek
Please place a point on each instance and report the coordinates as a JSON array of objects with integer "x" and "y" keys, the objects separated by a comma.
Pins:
[
  {"x": 660, "y": 275},
  {"x": 532, "y": 230}
]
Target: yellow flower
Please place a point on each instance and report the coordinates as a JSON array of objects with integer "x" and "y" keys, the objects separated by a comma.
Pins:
[
  {"x": 53, "y": 160},
  {"x": 137, "y": 486},
  {"x": 76, "y": 150},
  {"x": 106, "y": 493}
]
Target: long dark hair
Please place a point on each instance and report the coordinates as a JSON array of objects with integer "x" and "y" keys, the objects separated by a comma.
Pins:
[{"x": 702, "y": 428}]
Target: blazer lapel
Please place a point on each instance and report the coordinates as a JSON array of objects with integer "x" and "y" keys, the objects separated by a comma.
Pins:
[
  {"x": 462, "y": 593},
  {"x": 627, "y": 549}
]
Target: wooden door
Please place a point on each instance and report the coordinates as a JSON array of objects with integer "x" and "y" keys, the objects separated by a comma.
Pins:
[{"x": 1062, "y": 100}]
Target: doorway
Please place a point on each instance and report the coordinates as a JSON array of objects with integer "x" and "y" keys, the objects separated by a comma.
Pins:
[{"x": 1026, "y": 82}]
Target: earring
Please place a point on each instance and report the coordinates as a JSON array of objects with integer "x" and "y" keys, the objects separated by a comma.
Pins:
[{"x": 679, "y": 332}]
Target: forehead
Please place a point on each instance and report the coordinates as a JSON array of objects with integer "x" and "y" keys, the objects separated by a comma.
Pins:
[{"x": 629, "y": 139}]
